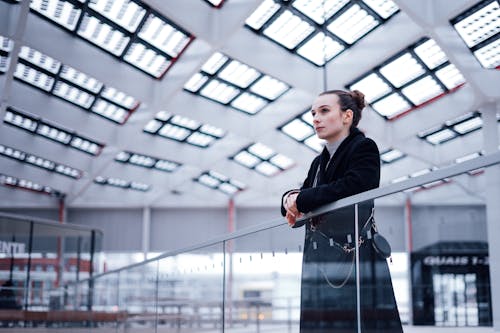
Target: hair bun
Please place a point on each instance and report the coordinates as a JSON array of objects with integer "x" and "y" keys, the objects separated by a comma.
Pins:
[{"x": 359, "y": 99}]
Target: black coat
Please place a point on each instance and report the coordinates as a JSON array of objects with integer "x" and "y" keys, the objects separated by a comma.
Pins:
[{"x": 328, "y": 289}]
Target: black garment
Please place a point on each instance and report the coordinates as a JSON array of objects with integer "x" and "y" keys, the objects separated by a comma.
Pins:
[{"x": 328, "y": 290}]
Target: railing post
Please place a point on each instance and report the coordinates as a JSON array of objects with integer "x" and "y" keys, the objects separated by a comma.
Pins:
[{"x": 28, "y": 268}]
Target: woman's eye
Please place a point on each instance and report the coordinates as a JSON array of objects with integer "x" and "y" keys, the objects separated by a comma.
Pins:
[{"x": 324, "y": 110}]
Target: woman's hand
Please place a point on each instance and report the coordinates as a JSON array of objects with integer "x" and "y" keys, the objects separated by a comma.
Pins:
[{"x": 292, "y": 213}]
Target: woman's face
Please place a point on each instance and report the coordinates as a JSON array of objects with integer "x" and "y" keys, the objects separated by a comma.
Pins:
[{"x": 329, "y": 122}]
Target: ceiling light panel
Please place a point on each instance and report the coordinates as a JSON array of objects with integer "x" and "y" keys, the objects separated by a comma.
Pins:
[
  {"x": 55, "y": 133},
  {"x": 29, "y": 185},
  {"x": 391, "y": 156},
  {"x": 299, "y": 25},
  {"x": 146, "y": 161},
  {"x": 300, "y": 129},
  {"x": 413, "y": 77},
  {"x": 121, "y": 183},
  {"x": 262, "y": 159},
  {"x": 183, "y": 129},
  {"x": 40, "y": 162},
  {"x": 217, "y": 181},
  {"x": 231, "y": 82},
  {"x": 127, "y": 14},
  {"x": 74, "y": 86},
  {"x": 478, "y": 26},
  {"x": 128, "y": 29},
  {"x": 452, "y": 129},
  {"x": 61, "y": 12}
]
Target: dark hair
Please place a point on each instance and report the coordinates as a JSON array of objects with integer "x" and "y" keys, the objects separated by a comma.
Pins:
[{"x": 350, "y": 100}]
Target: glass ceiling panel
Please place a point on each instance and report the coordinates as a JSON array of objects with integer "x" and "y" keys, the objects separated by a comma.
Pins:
[
  {"x": 183, "y": 129},
  {"x": 453, "y": 128},
  {"x": 228, "y": 81},
  {"x": 489, "y": 55},
  {"x": 327, "y": 46},
  {"x": 412, "y": 78},
  {"x": 299, "y": 25},
  {"x": 34, "y": 77},
  {"x": 39, "y": 59},
  {"x": 74, "y": 86},
  {"x": 391, "y": 155},
  {"x": 353, "y": 24},
  {"x": 262, "y": 14},
  {"x": 125, "y": 13},
  {"x": 81, "y": 79},
  {"x": 59, "y": 11},
  {"x": 29, "y": 185},
  {"x": 288, "y": 29},
  {"x": 42, "y": 128},
  {"x": 217, "y": 181},
  {"x": 40, "y": 162},
  {"x": 164, "y": 36},
  {"x": 384, "y": 8},
  {"x": 402, "y": 70},
  {"x": 103, "y": 35},
  {"x": 145, "y": 161},
  {"x": 129, "y": 30},
  {"x": 319, "y": 10},
  {"x": 262, "y": 159},
  {"x": 478, "y": 26}
]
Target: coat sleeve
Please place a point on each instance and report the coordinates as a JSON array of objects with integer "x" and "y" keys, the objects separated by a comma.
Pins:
[
  {"x": 363, "y": 174},
  {"x": 306, "y": 184}
]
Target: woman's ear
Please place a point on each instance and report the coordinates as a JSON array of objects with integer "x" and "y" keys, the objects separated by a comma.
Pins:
[{"x": 347, "y": 116}]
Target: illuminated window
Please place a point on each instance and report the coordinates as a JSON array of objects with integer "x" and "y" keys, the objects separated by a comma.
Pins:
[
  {"x": 129, "y": 30},
  {"x": 233, "y": 83},
  {"x": 300, "y": 25},
  {"x": 183, "y": 130},
  {"x": 40, "y": 162},
  {"x": 409, "y": 79},
  {"x": 55, "y": 133},
  {"x": 452, "y": 129},
  {"x": 145, "y": 161},
  {"x": 478, "y": 26},
  {"x": 121, "y": 183},
  {"x": 218, "y": 181},
  {"x": 29, "y": 185},
  {"x": 262, "y": 159},
  {"x": 69, "y": 84}
]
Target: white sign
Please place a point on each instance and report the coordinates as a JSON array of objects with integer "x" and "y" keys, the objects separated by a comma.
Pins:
[
  {"x": 455, "y": 260},
  {"x": 12, "y": 247}
]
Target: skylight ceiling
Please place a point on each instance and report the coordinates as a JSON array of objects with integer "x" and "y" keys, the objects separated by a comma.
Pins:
[
  {"x": 146, "y": 161},
  {"x": 219, "y": 182},
  {"x": 29, "y": 185},
  {"x": 305, "y": 27},
  {"x": 301, "y": 129},
  {"x": 123, "y": 184},
  {"x": 127, "y": 29},
  {"x": 40, "y": 162},
  {"x": 183, "y": 129},
  {"x": 230, "y": 82},
  {"x": 413, "y": 77},
  {"x": 453, "y": 129},
  {"x": 478, "y": 26},
  {"x": 262, "y": 159},
  {"x": 40, "y": 127},
  {"x": 71, "y": 85}
]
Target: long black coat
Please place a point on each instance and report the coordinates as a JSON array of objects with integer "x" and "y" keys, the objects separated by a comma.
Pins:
[{"x": 328, "y": 289}]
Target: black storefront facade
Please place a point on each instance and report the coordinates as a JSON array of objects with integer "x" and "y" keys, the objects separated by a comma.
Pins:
[{"x": 451, "y": 285}]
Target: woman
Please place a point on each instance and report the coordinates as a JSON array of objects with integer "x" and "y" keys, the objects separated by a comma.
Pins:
[{"x": 349, "y": 164}]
